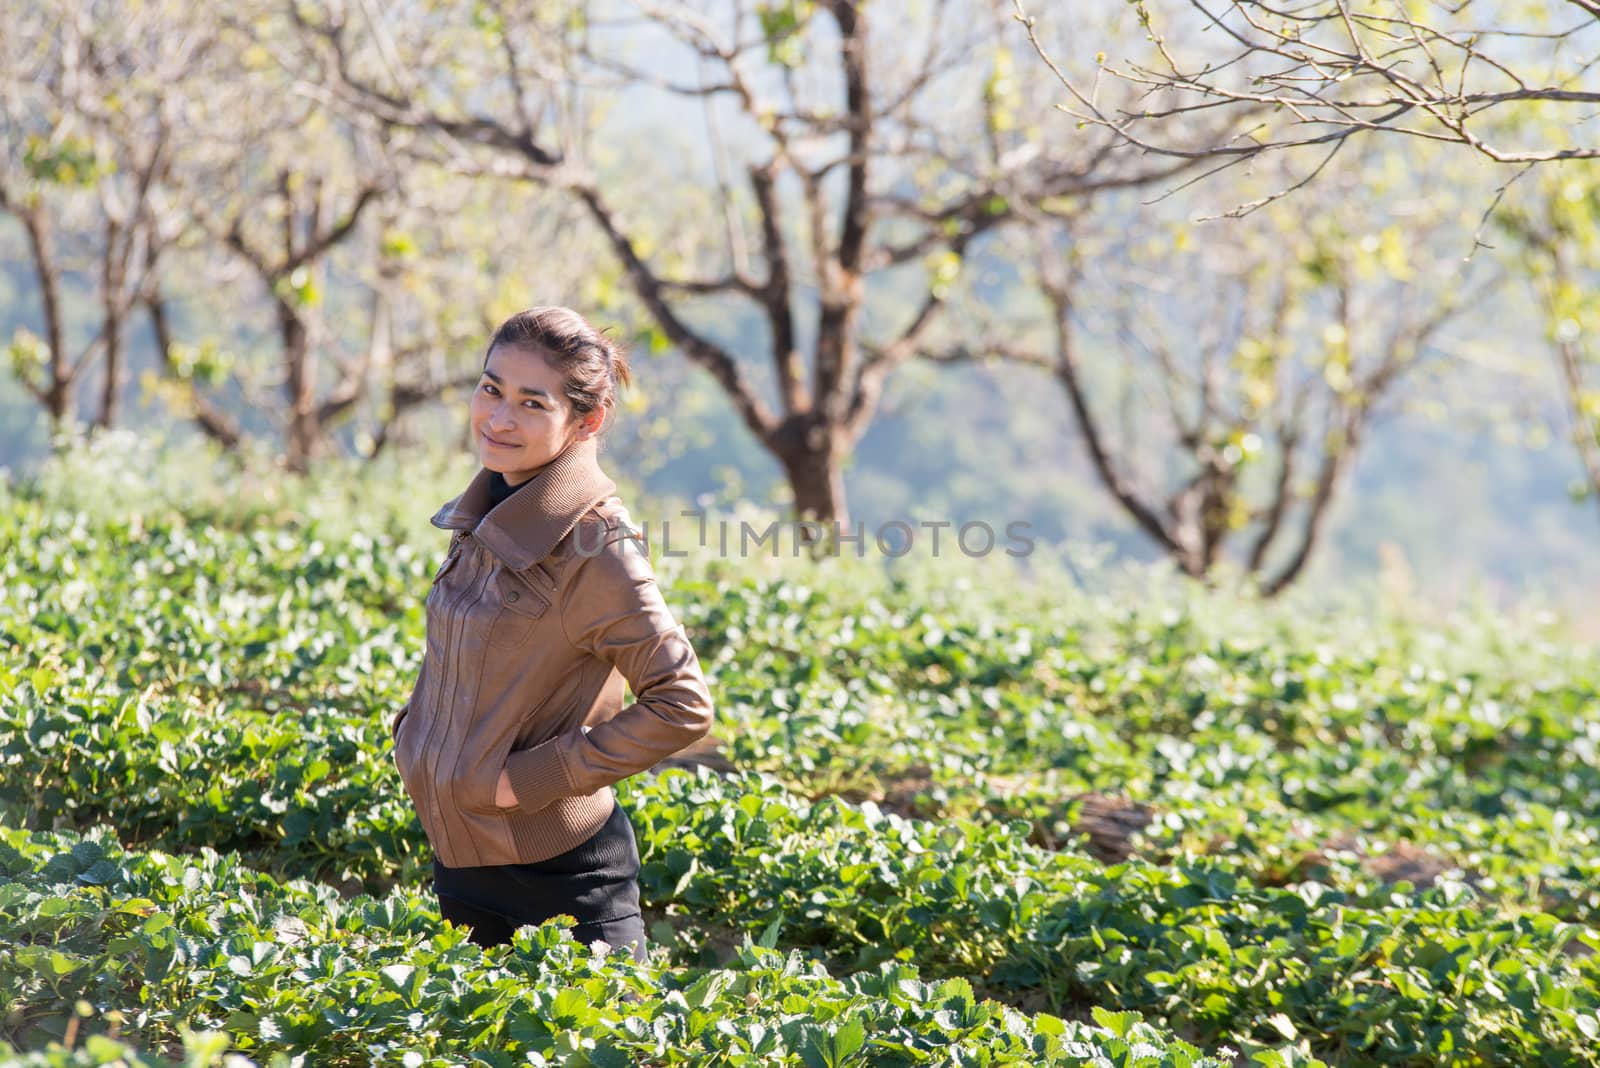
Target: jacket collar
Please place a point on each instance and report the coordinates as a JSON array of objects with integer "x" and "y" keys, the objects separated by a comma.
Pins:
[{"x": 526, "y": 526}]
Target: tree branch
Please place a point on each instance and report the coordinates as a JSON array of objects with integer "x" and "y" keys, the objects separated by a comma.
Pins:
[{"x": 757, "y": 416}]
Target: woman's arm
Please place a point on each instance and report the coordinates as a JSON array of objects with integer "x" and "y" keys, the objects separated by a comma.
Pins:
[{"x": 613, "y": 609}]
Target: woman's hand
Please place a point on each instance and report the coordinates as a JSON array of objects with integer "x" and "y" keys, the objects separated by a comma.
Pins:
[{"x": 503, "y": 794}]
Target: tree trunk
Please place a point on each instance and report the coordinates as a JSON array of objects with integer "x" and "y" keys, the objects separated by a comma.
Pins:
[
  {"x": 813, "y": 462},
  {"x": 58, "y": 391},
  {"x": 112, "y": 279},
  {"x": 818, "y": 484},
  {"x": 109, "y": 395},
  {"x": 300, "y": 383}
]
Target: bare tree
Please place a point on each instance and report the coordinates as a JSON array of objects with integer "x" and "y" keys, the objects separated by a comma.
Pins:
[
  {"x": 281, "y": 184},
  {"x": 851, "y": 152},
  {"x": 1514, "y": 86},
  {"x": 311, "y": 215},
  {"x": 1509, "y": 84},
  {"x": 87, "y": 131},
  {"x": 1222, "y": 385}
]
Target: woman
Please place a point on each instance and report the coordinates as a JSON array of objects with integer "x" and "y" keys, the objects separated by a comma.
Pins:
[{"x": 544, "y": 604}]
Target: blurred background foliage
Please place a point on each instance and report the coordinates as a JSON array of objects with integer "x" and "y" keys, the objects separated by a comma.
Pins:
[{"x": 866, "y": 267}]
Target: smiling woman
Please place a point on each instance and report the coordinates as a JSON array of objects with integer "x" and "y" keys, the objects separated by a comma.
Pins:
[
  {"x": 528, "y": 407},
  {"x": 544, "y": 605}
]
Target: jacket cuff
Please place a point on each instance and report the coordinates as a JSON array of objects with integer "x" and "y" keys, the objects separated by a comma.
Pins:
[{"x": 538, "y": 775}]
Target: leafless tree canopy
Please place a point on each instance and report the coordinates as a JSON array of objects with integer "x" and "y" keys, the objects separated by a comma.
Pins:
[
  {"x": 848, "y": 144},
  {"x": 1224, "y": 425},
  {"x": 1516, "y": 83},
  {"x": 799, "y": 199},
  {"x": 85, "y": 152},
  {"x": 1513, "y": 84}
]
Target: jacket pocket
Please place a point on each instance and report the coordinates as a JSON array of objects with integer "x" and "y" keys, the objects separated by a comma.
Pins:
[
  {"x": 524, "y": 600},
  {"x": 474, "y": 790}
]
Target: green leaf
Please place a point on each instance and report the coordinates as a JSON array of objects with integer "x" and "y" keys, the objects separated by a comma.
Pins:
[
  {"x": 1117, "y": 1023},
  {"x": 571, "y": 1008},
  {"x": 398, "y": 976},
  {"x": 849, "y": 1038}
]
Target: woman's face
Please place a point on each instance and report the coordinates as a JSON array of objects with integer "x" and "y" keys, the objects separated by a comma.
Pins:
[{"x": 521, "y": 420}]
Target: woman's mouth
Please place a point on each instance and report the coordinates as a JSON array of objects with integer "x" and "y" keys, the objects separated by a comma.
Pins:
[{"x": 497, "y": 444}]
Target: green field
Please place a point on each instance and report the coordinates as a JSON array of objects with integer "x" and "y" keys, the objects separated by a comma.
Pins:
[{"x": 967, "y": 822}]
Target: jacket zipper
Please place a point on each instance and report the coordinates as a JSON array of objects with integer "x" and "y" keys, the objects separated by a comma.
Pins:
[
  {"x": 446, "y": 662},
  {"x": 451, "y": 555}
]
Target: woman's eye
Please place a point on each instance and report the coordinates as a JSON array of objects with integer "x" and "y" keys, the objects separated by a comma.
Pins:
[{"x": 488, "y": 388}]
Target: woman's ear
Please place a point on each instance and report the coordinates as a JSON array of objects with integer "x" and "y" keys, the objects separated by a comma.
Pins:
[{"x": 590, "y": 423}]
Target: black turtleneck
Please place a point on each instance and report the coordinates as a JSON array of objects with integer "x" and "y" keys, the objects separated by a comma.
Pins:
[{"x": 500, "y": 489}]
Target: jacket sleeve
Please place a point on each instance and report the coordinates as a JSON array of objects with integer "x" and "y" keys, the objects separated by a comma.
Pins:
[{"x": 613, "y": 610}]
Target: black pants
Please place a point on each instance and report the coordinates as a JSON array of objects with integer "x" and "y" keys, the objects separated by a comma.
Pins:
[{"x": 596, "y": 882}]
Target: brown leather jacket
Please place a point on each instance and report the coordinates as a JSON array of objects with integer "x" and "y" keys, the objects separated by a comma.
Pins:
[{"x": 540, "y": 610}]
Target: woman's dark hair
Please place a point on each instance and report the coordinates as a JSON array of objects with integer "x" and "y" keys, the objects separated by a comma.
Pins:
[{"x": 593, "y": 367}]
